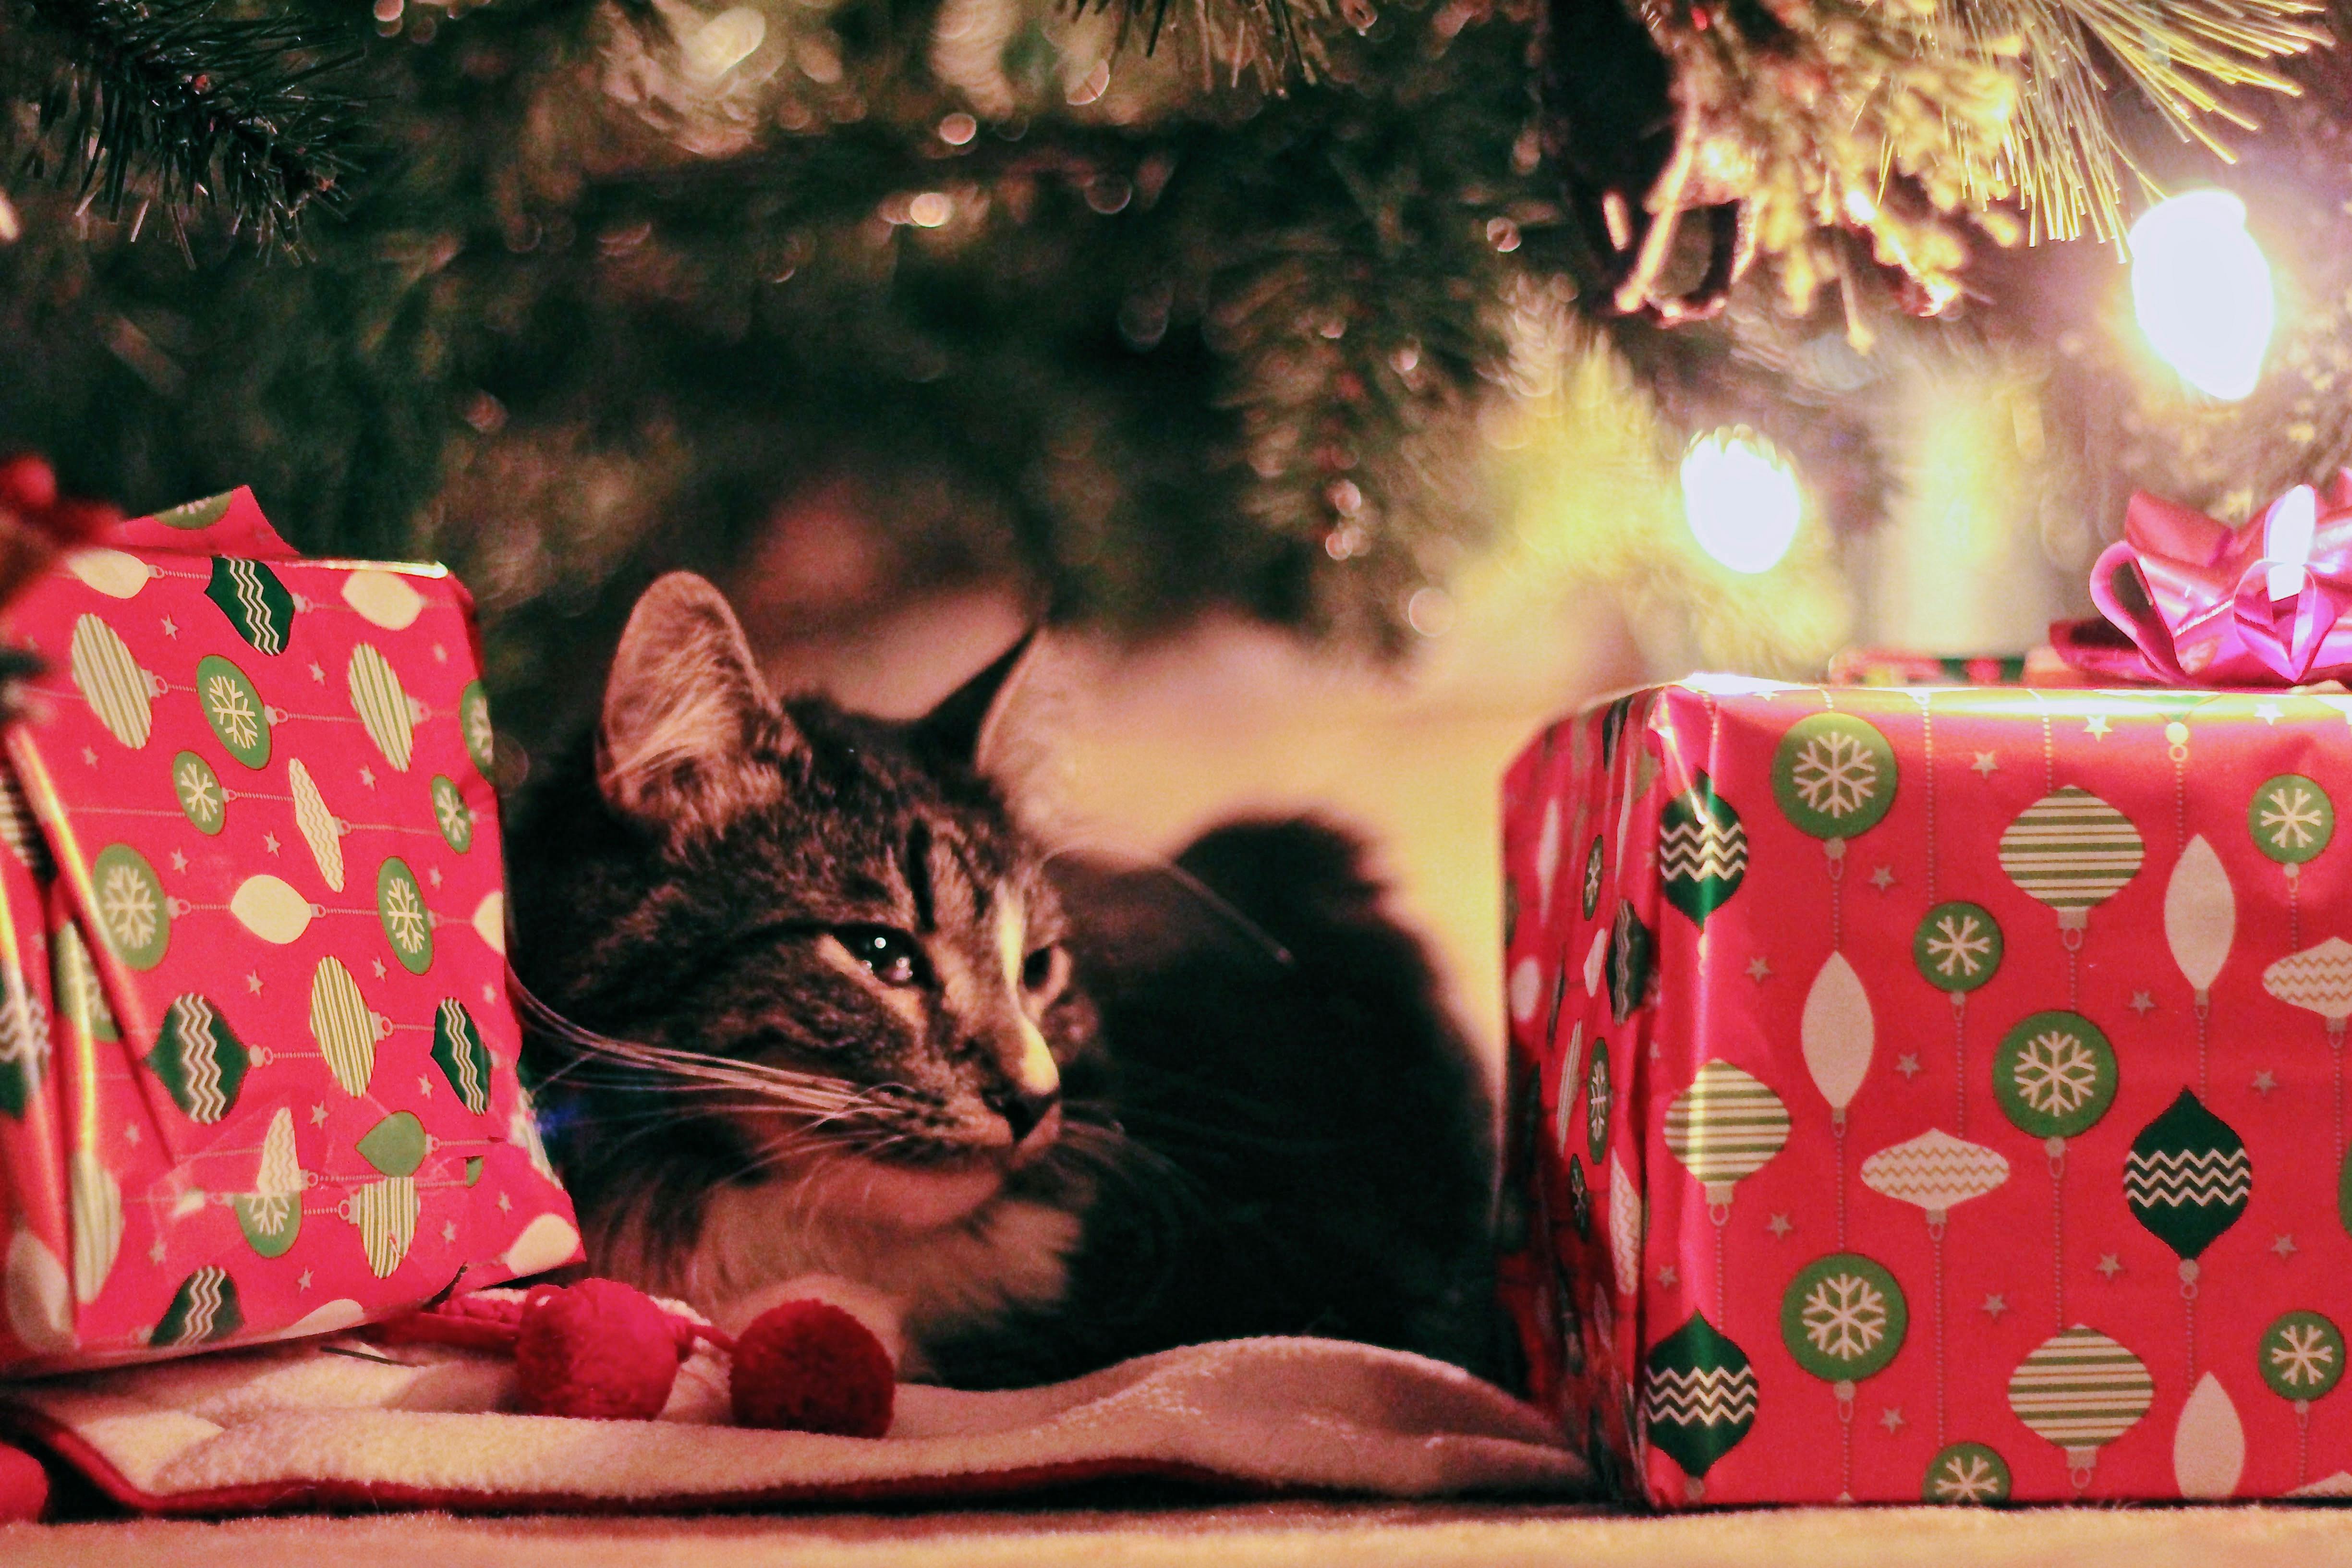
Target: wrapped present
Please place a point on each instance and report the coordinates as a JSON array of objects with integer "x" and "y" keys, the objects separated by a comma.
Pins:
[
  {"x": 257, "y": 1065},
  {"x": 1935, "y": 1093}
]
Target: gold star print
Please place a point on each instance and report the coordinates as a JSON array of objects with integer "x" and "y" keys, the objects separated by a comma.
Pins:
[
  {"x": 2268, "y": 712},
  {"x": 1985, "y": 763},
  {"x": 2284, "y": 1247},
  {"x": 2109, "y": 1264},
  {"x": 253, "y": 981},
  {"x": 1908, "y": 1066},
  {"x": 1883, "y": 878},
  {"x": 89, "y": 756},
  {"x": 131, "y": 1133},
  {"x": 169, "y": 629},
  {"x": 1995, "y": 1305},
  {"x": 1779, "y": 1226},
  {"x": 440, "y": 654},
  {"x": 505, "y": 1203},
  {"x": 1667, "y": 1274},
  {"x": 449, "y": 1231},
  {"x": 302, "y": 1280},
  {"x": 1760, "y": 969},
  {"x": 378, "y": 963},
  {"x": 2265, "y": 1081},
  {"x": 179, "y": 861},
  {"x": 1893, "y": 1419},
  {"x": 489, "y": 995},
  {"x": 432, "y": 875},
  {"x": 155, "y": 1253},
  {"x": 2096, "y": 726},
  {"x": 367, "y": 778},
  {"x": 318, "y": 1114},
  {"x": 317, "y": 674},
  {"x": 425, "y": 1086},
  {"x": 2142, "y": 1003},
  {"x": 270, "y": 842}
]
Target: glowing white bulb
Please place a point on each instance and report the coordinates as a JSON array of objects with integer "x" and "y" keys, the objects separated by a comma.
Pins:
[
  {"x": 2202, "y": 291},
  {"x": 2287, "y": 535},
  {"x": 1740, "y": 498}
]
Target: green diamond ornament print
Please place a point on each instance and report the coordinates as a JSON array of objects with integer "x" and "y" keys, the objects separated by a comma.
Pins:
[
  {"x": 2189, "y": 1176},
  {"x": 2291, "y": 818},
  {"x": 1597, "y": 1102},
  {"x": 453, "y": 815},
  {"x": 1844, "y": 1318},
  {"x": 81, "y": 1000},
  {"x": 1593, "y": 868},
  {"x": 1834, "y": 776},
  {"x": 239, "y": 718},
  {"x": 1966, "y": 1473},
  {"x": 1699, "y": 1393},
  {"x": 397, "y": 1144},
  {"x": 1702, "y": 851},
  {"x": 1631, "y": 952},
  {"x": 199, "y": 1058},
  {"x": 474, "y": 722},
  {"x": 198, "y": 790},
  {"x": 133, "y": 915},
  {"x": 407, "y": 924},
  {"x": 2302, "y": 1356},
  {"x": 111, "y": 681},
  {"x": 342, "y": 1025},
  {"x": 197, "y": 514},
  {"x": 2054, "y": 1075},
  {"x": 204, "y": 1309},
  {"x": 2072, "y": 851},
  {"x": 1957, "y": 947},
  {"x": 256, "y": 603},
  {"x": 464, "y": 1061}
]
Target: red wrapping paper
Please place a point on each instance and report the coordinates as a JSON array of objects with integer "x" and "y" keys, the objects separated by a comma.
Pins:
[
  {"x": 256, "y": 1060},
  {"x": 1935, "y": 1093}
]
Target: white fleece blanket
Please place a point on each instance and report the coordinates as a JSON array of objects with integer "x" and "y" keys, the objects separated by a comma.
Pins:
[{"x": 352, "y": 1424}]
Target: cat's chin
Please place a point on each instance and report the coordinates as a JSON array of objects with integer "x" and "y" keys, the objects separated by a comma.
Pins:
[{"x": 913, "y": 1197}]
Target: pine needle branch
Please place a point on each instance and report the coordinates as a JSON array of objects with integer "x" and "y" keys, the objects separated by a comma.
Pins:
[
  {"x": 1275, "y": 39},
  {"x": 170, "y": 104}
]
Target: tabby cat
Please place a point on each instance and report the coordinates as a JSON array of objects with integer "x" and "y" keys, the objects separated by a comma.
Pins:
[{"x": 812, "y": 1011}]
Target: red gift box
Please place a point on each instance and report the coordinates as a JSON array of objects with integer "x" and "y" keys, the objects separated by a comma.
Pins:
[
  {"x": 257, "y": 1058},
  {"x": 1935, "y": 1093}
]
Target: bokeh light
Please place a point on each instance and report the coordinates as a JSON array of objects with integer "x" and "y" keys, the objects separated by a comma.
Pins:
[
  {"x": 2202, "y": 291},
  {"x": 1741, "y": 500}
]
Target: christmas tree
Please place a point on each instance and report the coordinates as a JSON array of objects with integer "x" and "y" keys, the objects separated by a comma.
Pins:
[{"x": 1153, "y": 307}]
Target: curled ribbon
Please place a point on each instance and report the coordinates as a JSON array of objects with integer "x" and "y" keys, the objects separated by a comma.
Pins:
[{"x": 2198, "y": 603}]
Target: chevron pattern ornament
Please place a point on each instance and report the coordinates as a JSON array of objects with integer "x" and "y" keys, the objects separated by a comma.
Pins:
[
  {"x": 2189, "y": 1176},
  {"x": 1936, "y": 1171},
  {"x": 1702, "y": 851},
  {"x": 1700, "y": 1396}
]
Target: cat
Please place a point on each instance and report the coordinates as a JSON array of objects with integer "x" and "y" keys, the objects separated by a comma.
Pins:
[{"x": 808, "y": 1011}]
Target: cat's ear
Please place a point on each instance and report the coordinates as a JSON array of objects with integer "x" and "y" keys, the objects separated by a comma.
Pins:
[
  {"x": 969, "y": 723},
  {"x": 691, "y": 737}
]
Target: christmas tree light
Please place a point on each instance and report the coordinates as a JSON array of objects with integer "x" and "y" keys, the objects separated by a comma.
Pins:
[
  {"x": 1741, "y": 500},
  {"x": 2202, "y": 291}
]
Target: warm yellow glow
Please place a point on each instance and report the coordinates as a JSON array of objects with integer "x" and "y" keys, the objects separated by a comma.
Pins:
[
  {"x": 1740, "y": 498},
  {"x": 2202, "y": 291}
]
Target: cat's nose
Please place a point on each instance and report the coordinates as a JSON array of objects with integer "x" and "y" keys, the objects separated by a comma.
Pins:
[{"x": 1023, "y": 1110}]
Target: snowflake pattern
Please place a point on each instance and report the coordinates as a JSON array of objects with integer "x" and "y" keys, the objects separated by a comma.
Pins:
[
  {"x": 127, "y": 904},
  {"x": 232, "y": 712},
  {"x": 477, "y": 719},
  {"x": 2055, "y": 1073},
  {"x": 1835, "y": 774},
  {"x": 1966, "y": 1477},
  {"x": 1960, "y": 946},
  {"x": 403, "y": 916},
  {"x": 1844, "y": 1316},
  {"x": 2303, "y": 1357},
  {"x": 199, "y": 793},
  {"x": 456, "y": 821},
  {"x": 2291, "y": 817}
]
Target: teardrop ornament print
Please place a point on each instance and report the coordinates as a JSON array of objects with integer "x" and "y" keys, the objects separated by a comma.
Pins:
[
  {"x": 205, "y": 1310},
  {"x": 320, "y": 829},
  {"x": 233, "y": 707},
  {"x": 2200, "y": 915},
  {"x": 111, "y": 681},
  {"x": 1837, "y": 1032},
  {"x": 396, "y": 1145},
  {"x": 382, "y": 704},
  {"x": 458, "y": 1052},
  {"x": 256, "y": 603},
  {"x": 39, "y": 1297},
  {"x": 2208, "y": 1446},
  {"x": 113, "y": 573},
  {"x": 383, "y": 599},
  {"x": 270, "y": 909}
]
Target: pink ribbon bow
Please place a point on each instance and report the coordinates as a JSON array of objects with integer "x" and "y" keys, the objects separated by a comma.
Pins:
[{"x": 2204, "y": 605}]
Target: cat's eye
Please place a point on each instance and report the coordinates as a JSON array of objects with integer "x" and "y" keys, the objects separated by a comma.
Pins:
[
  {"x": 1043, "y": 970},
  {"x": 892, "y": 955}
]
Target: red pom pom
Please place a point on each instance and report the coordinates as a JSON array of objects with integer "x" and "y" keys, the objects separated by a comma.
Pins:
[
  {"x": 24, "y": 1486},
  {"x": 28, "y": 484},
  {"x": 808, "y": 1367},
  {"x": 598, "y": 1350}
]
